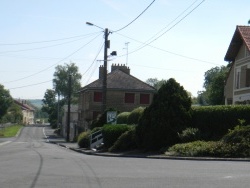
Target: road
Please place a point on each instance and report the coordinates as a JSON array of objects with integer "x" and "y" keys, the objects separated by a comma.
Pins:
[{"x": 30, "y": 162}]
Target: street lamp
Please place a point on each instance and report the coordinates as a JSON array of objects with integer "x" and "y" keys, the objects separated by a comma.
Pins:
[{"x": 106, "y": 46}]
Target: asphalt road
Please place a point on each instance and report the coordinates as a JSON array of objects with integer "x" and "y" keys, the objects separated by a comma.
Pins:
[{"x": 30, "y": 162}]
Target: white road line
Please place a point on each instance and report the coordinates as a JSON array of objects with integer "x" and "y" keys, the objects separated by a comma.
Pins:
[
  {"x": 3, "y": 143},
  {"x": 47, "y": 140}
]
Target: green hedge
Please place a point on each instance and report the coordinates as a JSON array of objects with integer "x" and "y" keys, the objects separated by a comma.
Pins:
[
  {"x": 122, "y": 118},
  {"x": 112, "y": 132},
  {"x": 135, "y": 115},
  {"x": 214, "y": 121}
]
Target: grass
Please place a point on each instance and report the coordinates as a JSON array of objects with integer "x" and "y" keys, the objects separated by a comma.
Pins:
[{"x": 10, "y": 131}]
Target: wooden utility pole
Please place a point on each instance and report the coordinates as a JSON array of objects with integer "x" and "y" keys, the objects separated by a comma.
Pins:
[{"x": 69, "y": 103}]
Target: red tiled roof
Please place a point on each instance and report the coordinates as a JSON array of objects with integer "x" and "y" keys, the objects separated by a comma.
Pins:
[
  {"x": 118, "y": 80},
  {"x": 241, "y": 35}
]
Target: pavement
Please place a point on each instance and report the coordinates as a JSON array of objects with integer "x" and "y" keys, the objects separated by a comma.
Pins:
[{"x": 60, "y": 141}]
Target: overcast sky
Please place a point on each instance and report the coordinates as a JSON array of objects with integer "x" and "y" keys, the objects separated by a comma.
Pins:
[{"x": 184, "y": 38}]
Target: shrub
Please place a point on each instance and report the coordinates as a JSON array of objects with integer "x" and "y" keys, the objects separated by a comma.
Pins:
[
  {"x": 125, "y": 142},
  {"x": 83, "y": 139},
  {"x": 122, "y": 118},
  {"x": 189, "y": 135},
  {"x": 165, "y": 117},
  {"x": 112, "y": 132},
  {"x": 135, "y": 115},
  {"x": 101, "y": 119},
  {"x": 214, "y": 121}
]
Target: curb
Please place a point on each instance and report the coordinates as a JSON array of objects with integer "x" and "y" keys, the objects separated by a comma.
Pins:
[{"x": 96, "y": 153}]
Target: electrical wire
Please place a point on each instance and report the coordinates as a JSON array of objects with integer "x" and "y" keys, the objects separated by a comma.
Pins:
[
  {"x": 39, "y": 48},
  {"x": 148, "y": 43},
  {"x": 46, "y": 41},
  {"x": 56, "y": 62},
  {"x": 30, "y": 85},
  {"x": 135, "y": 18}
]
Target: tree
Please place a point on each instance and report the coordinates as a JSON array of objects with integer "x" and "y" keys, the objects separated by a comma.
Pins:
[
  {"x": 214, "y": 83},
  {"x": 168, "y": 114},
  {"x": 61, "y": 80},
  {"x": 14, "y": 114},
  {"x": 154, "y": 82},
  {"x": 5, "y": 100},
  {"x": 50, "y": 106}
]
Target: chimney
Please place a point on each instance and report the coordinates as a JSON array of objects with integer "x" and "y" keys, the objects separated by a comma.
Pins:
[
  {"x": 101, "y": 71},
  {"x": 121, "y": 67}
]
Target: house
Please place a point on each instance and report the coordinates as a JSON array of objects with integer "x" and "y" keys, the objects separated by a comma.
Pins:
[
  {"x": 237, "y": 86},
  {"x": 124, "y": 93},
  {"x": 27, "y": 111}
]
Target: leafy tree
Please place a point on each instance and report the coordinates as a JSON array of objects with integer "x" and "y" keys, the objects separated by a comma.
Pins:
[
  {"x": 14, "y": 114},
  {"x": 5, "y": 100},
  {"x": 50, "y": 106},
  {"x": 155, "y": 82},
  {"x": 61, "y": 80},
  {"x": 214, "y": 83},
  {"x": 168, "y": 114}
]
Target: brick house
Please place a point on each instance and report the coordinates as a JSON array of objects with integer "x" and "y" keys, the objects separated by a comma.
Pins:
[
  {"x": 124, "y": 93},
  {"x": 237, "y": 87},
  {"x": 27, "y": 111}
]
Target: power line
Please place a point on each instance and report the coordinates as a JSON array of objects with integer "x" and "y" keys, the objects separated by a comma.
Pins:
[
  {"x": 45, "y": 41},
  {"x": 135, "y": 18},
  {"x": 55, "y": 63},
  {"x": 30, "y": 85},
  {"x": 148, "y": 43},
  {"x": 31, "y": 49}
]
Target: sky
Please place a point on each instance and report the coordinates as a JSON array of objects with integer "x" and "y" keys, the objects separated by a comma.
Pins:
[{"x": 180, "y": 39}]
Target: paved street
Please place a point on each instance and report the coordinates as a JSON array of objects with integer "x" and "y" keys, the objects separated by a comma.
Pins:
[{"x": 28, "y": 161}]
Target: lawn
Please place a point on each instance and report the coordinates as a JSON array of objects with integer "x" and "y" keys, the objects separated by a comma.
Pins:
[{"x": 10, "y": 131}]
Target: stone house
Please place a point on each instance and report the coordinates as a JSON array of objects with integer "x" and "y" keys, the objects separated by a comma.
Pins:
[
  {"x": 27, "y": 111},
  {"x": 124, "y": 93},
  {"x": 237, "y": 86}
]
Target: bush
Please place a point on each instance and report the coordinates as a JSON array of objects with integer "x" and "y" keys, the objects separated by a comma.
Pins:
[
  {"x": 112, "y": 132},
  {"x": 125, "y": 142},
  {"x": 236, "y": 143},
  {"x": 214, "y": 121},
  {"x": 122, "y": 118},
  {"x": 135, "y": 115},
  {"x": 189, "y": 135},
  {"x": 83, "y": 139},
  {"x": 101, "y": 119},
  {"x": 165, "y": 117}
]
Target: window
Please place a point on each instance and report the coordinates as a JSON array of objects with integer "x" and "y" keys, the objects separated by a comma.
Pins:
[
  {"x": 97, "y": 96},
  {"x": 144, "y": 98},
  {"x": 247, "y": 77},
  {"x": 129, "y": 97},
  {"x": 237, "y": 80}
]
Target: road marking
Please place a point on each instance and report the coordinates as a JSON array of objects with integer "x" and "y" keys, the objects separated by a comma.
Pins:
[{"x": 3, "y": 143}]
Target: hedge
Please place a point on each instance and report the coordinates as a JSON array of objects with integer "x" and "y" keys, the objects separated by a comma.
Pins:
[
  {"x": 122, "y": 118},
  {"x": 135, "y": 115},
  {"x": 215, "y": 121},
  {"x": 112, "y": 132}
]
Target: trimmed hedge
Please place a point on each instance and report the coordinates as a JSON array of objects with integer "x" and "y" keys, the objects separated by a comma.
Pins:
[
  {"x": 122, "y": 118},
  {"x": 135, "y": 115},
  {"x": 125, "y": 142},
  {"x": 112, "y": 132},
  {"x": 214, "y": 121},
  {"x": 83, "y": 139}
]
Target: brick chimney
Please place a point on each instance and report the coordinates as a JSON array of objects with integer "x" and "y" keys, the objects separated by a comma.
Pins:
[
  {"x": 121, "y": 67},
  {"x": 101, "y": 70}
]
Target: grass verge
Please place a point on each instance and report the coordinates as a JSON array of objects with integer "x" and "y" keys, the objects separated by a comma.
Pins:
[{"x": 10, "y": 131}]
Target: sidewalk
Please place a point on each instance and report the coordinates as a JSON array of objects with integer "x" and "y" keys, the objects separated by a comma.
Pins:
[{"x": 55, "y": 139}]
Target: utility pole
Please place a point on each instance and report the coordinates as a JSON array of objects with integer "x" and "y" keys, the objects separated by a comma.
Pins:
[
  {"x": 104, "y": 89},
  {"x": 69, "y": 103}
]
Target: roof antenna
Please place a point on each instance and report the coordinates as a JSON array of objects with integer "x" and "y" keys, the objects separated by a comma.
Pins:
[{"x": 127, "y": 52}]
